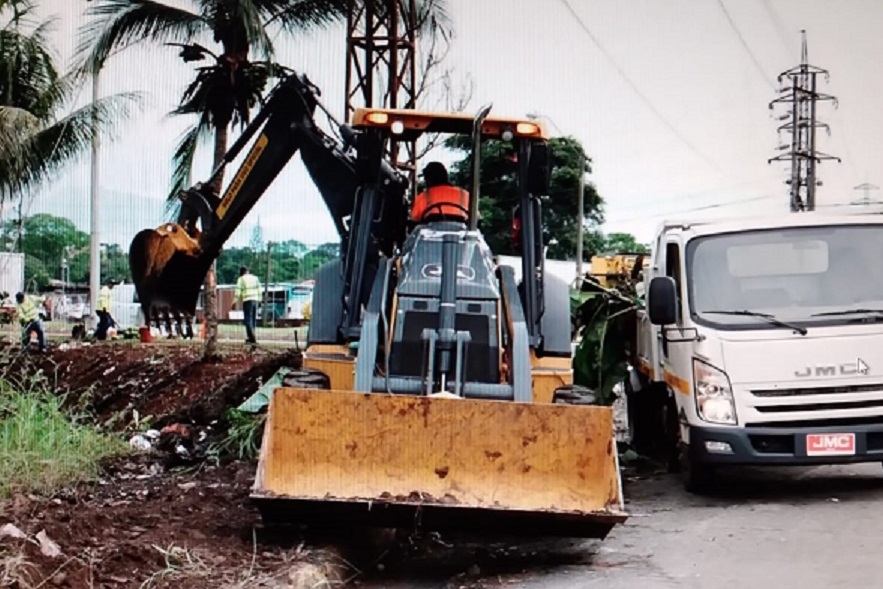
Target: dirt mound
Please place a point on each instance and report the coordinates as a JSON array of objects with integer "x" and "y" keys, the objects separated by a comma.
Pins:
[
  {"x": 146, "y": 524},
  {"x": 163, "y": 383},
  {"x": 140, "y": 527}
]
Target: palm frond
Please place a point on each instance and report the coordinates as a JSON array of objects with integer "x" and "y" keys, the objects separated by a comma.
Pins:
[
  {"x": 121, "y": 23},
  {"x": 248, "y": 13},
  {"x": 42, "y": 153},
  {"x": 28, "y": 69},
  {"x": 19, "y": 8},
  {"x": 227, "y": 97},
  {"x": 15, "y": 123},
  {"x": 433, "y": 19},
  {"x": 302, "y": 15},
  {"x": 182, "y": 162}
]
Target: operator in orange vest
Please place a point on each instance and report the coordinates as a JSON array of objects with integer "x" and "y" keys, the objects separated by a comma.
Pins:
[{"x": 440, "y": 199}]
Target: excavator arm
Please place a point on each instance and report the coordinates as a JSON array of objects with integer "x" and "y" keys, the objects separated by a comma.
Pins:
[{"x": 364, "y": 195}]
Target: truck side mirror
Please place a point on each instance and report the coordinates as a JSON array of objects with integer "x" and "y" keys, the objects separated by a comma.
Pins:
[{"x": 662, "y": 301}]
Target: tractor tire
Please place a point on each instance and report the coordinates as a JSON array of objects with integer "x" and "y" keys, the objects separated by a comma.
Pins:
[
  {"x": 306, "y": 378},
  {"x": 574, "y": 394}
]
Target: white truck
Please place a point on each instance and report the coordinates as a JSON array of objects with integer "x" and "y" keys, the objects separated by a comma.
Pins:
[{"x": 761, "y": 342}]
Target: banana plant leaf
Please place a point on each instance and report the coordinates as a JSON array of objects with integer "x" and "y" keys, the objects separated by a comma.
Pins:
[{"x": 605, "y": 321}]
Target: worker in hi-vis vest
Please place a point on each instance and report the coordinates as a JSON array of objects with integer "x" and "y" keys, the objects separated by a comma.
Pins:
[
  {"x": 248, "y": 292},
  {"x": 29, "y": 318},
  {"x": 440, "y": 200},
  {"x": 105, "y": 319}
]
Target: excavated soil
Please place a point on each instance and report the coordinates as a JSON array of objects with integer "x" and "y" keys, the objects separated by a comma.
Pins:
[
  {"x": 115, "y": 383},
  {"x": 150, "y": 521},
  {"x": 155, "y": 519}
]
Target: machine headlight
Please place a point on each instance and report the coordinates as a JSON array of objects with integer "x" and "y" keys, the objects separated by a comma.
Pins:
[{"x": 714, "y": 394}]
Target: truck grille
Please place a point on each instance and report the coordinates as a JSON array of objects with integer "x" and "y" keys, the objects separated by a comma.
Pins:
[
  {"x": 798, "y": 407},
  {"x": 867, "y": 388}
]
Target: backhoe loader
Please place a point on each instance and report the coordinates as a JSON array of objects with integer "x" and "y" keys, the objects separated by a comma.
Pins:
[{"x": 435, "y": 391}]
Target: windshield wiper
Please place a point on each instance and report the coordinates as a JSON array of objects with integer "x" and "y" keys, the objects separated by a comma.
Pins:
[
  {"x": 877, "y": 312},
  {"x": 771, "y": 318}
]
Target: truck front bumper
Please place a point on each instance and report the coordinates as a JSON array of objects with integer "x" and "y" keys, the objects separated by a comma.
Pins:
[{"x": 787, "y": 446}]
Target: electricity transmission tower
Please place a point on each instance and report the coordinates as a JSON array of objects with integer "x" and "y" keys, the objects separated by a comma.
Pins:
[
  {"x": 865, "y": 188},
  {"x": 381, "y": 68},
  {"x": 802, "y": 124}
]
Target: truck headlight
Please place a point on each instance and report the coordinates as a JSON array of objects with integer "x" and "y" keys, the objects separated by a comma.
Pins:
[{"x": 714, "y": 394}]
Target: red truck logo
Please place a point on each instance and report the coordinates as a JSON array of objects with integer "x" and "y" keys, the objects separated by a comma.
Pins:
[{"x": 830, "y": 444}]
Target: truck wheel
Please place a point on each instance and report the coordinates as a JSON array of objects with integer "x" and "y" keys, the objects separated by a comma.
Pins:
[
  {"x": 697, "y": 477},
  {"x": 672, "y": 438}
]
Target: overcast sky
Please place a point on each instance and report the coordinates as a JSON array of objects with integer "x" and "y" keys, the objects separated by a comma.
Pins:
[{"x": 669, "y": 98}]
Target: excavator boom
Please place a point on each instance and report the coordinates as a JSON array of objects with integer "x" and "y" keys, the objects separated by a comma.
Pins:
[{"x": 169, "y": 263}]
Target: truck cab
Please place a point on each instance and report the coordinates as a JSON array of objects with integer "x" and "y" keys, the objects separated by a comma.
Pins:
[{"x": 763, "y": 338}]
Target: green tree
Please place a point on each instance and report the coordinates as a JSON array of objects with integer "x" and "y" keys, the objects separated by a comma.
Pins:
[
  {"x": 229, "y": 262},
  {"x": 46, "y": 241},
  {"x": 39, "y": 132},
  {"x": 624, "y": 243},
  {"x": 499, "y": 196},
  {"x": 316, "y": 258},
  {"x": 224, "y": 93}
]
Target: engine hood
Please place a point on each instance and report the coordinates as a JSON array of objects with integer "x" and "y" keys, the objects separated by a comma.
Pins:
[{"x": 825, "y": 356}]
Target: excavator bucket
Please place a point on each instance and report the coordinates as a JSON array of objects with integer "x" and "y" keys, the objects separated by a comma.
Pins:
[
  {"x": 168, "y": 269},
  {"x": 380, "y": 460}
]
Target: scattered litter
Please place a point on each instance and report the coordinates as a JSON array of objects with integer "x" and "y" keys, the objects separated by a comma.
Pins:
[
  {"x": 47, "y": 546},
  {"x": 141, "y": 442},
  {"x": 10, "y": 531}
]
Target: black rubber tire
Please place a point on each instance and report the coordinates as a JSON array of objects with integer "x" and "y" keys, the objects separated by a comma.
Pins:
[
  {"x": 574, "y": 394},
  {"x": 697, "y": 477},
  {"x": 306, "y": 378}
]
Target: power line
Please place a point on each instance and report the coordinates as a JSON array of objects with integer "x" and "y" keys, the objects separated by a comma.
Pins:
[
  {"x": 695, "y": 209},
  {"x": 745, "y": 45},
  {"x": 637, "y": 91},
  {"x": 780, "y": 29}
]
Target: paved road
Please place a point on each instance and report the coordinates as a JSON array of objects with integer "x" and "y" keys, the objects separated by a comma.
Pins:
[{"x": 781, "y": 529}]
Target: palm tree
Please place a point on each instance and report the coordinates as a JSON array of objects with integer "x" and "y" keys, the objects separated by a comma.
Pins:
[
  {"x": 38, "y": 132},
  {"x": 223, "y": 93}
]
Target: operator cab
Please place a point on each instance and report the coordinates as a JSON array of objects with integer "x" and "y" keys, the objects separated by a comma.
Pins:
[{"x": 419, "y": 298}]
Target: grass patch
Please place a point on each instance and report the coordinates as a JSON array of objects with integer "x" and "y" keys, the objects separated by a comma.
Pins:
[
  {"x": 243, "y": 438},
  {"x": 44, "y": 448}
]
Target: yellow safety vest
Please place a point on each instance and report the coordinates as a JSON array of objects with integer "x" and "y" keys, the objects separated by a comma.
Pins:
[
  {"x": 104, "y": 299},
  {"x": 27, "y": 310},
  {"x": 248, "y": 288}
]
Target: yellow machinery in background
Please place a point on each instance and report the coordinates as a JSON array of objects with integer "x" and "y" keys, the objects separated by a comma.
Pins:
[{"x": 613, "y": 269}]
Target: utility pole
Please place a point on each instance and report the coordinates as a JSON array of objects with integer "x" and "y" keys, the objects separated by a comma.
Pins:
[
  {"x": 95, "y": 238},
  {"x": 581, "y": 214},
  {"x": 267, "y": 283},
  {"x": 802, "y": 153}
]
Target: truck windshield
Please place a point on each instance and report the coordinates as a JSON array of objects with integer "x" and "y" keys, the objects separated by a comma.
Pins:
[{"x": 804, "y": 275}]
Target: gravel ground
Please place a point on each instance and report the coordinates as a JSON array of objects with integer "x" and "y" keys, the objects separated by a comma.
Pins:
[{"x": 783, "y": 528}]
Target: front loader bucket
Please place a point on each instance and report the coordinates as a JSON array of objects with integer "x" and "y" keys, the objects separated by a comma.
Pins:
[{"x": 344, "y": 458}]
